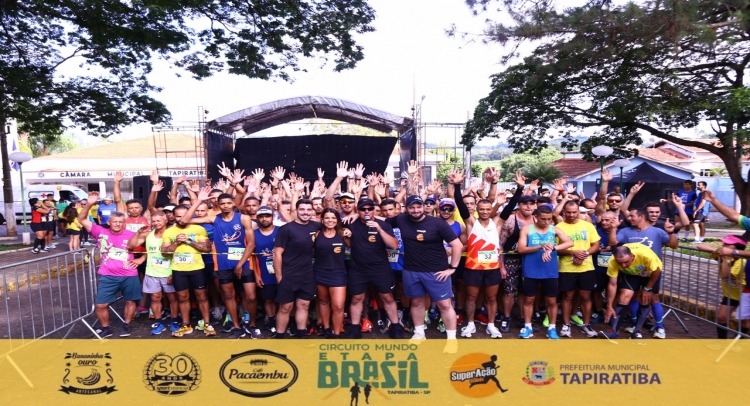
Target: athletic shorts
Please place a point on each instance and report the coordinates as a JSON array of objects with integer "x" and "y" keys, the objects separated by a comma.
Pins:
[
  {"x": 50, "y": 225},
  {"x": 476, "y": 278},
  {"x": 382, "y": 279},
  {"x": 602, "y": 280},
  {"x": 549, "y": 286},
  {"x": 73, "y": 232},
  {"x": 36, "y": 227},
  {"x": 153, "y": 284},
  {"x": 726, "y": 301},
  {"x": 227, "y": 276},
  {"x": 513, "y": 267},
  {"x": 330, "y": 277},
  {"x": 398, "y": 276},
  {"x": 459, "y": 274},
  {"x": 700, "y": 217},
  {"x": 208, "y": 272},
  {"x": 184, "y": 280},
  {"x": 569, "y": 281},
  {"x": 293, "y": 288},
  {"x": 267, "y": 292},
  {"x": 418, "y": 284},
  {"x": 635, "y": 283},
  {"x": 130, "y": 286},
  {"x": 743, "y": 311}
]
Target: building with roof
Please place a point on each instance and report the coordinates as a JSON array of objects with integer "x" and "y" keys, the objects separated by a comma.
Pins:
[{"x": 695, "y": 159}]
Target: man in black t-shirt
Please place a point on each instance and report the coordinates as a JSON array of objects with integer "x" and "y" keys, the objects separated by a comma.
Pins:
[
  {"x": 425, "y": 271},
  {"x": 369, "y": 264},
  {"x": 292, "y": 261}
]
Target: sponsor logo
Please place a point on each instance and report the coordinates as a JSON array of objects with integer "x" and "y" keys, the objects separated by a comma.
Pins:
[
  {"x": 420, "y": 237},
  {"x": 371, "y": 238},
  {"x": 172, "y": 376},
  {"x": 87, "y": 374},
  {"x": 337, "y": 250},
  {"x": 539, "y": 373},
  {"x": 475, "y": 375},
  {"x": 258, "y": 373}
]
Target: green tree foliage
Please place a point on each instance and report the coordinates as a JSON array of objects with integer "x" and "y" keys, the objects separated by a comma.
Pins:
[
  {"x": 545, "y": 173},
  {"x": 519, "y": 162},
  {"x": 621, "y": 71},
  {"x": 113, "y": 43},
  {"x": 48, "y": 144}
]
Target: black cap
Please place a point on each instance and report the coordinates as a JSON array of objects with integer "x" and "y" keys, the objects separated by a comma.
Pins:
[
  {"x": 365, "y": 202},
  {"x": 527, "y": 198},
  {"x": 413, "y": 199}
]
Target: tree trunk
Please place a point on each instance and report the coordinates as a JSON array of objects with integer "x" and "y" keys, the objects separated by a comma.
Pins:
[{"x": 10, "y": 211}]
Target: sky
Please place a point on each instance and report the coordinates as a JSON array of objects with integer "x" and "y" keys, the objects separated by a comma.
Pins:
[{"x": 409, "y": 50}]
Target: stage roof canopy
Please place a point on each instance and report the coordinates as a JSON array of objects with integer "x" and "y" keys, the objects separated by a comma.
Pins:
[{"x": 267, "y": 115}]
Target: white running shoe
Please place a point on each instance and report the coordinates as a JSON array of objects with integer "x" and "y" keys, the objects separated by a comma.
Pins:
[
  {"x": 660, "y": 333},
  {"x": 565, "y": 331},
  {"x": 492, "y": 331},
  {"x": 468, "y": 330}
]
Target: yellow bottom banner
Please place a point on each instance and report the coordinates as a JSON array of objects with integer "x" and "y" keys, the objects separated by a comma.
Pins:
[{"x": 374, "y": 372}]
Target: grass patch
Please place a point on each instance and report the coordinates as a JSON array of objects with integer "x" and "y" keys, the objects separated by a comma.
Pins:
[
  {"x": 11, "y": 247},
  {"x": 724, "y": 225}
]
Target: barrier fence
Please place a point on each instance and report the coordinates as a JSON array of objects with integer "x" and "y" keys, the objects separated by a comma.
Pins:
[
  {"x": 43, "y": 296},
  {"x": 691, "y": 285}
]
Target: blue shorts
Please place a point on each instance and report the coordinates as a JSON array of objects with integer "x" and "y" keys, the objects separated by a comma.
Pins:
[
  {"x": 418, "y": 284},
  {"x": 130, "y": 286}
]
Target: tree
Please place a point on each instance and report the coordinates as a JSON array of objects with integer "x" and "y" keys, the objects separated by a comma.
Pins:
[
  {"x": 519, "y": 162},
  {"x": 113, "y": 43},
  {"x": 48, "y": 144},
  {"x": 620, "y": 72},
  {"x": 544, "y": 172}
]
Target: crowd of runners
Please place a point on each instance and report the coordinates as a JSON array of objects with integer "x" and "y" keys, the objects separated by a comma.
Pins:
[{"x": 278, "y": 256}]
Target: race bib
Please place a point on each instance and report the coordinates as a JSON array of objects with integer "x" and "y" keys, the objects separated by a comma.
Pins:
[
  {"x": 160, "y": 263},
  {"x": 603, "y": 260},
  {"x": 269, "y": 266},
  {"x": 235, "y": 254},
  {"x": 133, "y": 227},
  {"x": 106, "y": 212},
  {"x": 118, "y": 254},
  {"x": 181, "y": 258},
  {"x": 488, "y": 257},
  {"x": 393, "y": 256}
]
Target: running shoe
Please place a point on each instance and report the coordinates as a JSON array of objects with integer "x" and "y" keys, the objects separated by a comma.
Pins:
[
  {"x": 433, "y": 314},
  {"x": 355, "y": 332},
  {"x": 44, "y": 250},
  {"x": 125, "y": 330},
  {"x": 552, "y": 334},
  {"x": 441, "y": 326},
  {"x": 630, "y": 329},
  {"x": 537, "y": 317},
  {"x": 174, "y": 326},
  {"x": 590, "y": 333},
  {"x": 227, "y": 326},
  {"x": 200, "y": 325},
  {"x": 610, "y": 335},
  {"x": 330, "y": 334},
  {"x": 575, "y": 319},
  {"x": 209, "y": 330},
  {"x": 104, "y": 332},
  {"x": 35, "y": 251},
  {"x": 396, "y": 331},
  {"x": 366, "y": 326},
  {"x": 526, "y": 332},
  {"x": 660, "y": 333},
  {"x": 468, "y": 330},
  {"x": 157, "y": 328},
  {"x": 459, "y": 319},
  {"x": 596, "y": 317},
  {"x": 482, "y": 319},
  {"x": 545, "y": 323},
  {"x": 505, "y": 324},
  {"x": 270, "y": 326},
  {"x": 418, "y": 336},
  {"x": 142, "y": 310},
  {"x": 51, "y": 246},
  {"x": 185, "y": 329},
  {"x": 216, "y": 312},
  {"x": 253, "y": 331},
  {"x": 374, "y": 304},
  {"x": 493, "y": 332},
  {"x": 426, "y": 317},
  {"x": 636, "y": 335},
  {"x": 246, "y": 318},
  {"x": 565, "y": 331},
  {"x": 236, "y": 334},
  {"x": 150, "y": 314}
]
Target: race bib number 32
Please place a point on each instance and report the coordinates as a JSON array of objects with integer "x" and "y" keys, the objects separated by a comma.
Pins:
[{"x": 488, "y": 257}]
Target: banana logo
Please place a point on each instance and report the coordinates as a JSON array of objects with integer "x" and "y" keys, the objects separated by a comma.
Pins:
[{"x": 90, "y": 380}]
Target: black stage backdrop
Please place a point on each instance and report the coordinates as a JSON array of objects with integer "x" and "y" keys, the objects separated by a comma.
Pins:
[
  {"x": 303, "y": 155},
  {"x": 219, "y": 148}
]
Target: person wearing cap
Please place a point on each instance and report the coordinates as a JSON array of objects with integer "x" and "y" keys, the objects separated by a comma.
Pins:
[
  {"x": 425, "y": 272},
  {"x": 106, "y": 208},
  {"x": 169, "y": 212},
  {"x": 262, "y": 258},
  {"x": 429, "y": 204},
  {"x": 370, "y": 239},
  {"x": 234, "y": 242},
  {"x": 733, "y": 284}
]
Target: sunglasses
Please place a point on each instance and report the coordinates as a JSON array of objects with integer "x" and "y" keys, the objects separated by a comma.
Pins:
[
  {"x": 366, "y": 209},
  {"x": 447, "y": 209},
  {"x": 429, "y": 202},
  {"x": 347, "y": 201},
  {"x": 614, "y": 200}
]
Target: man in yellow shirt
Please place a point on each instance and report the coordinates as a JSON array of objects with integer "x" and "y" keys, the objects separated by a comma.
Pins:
[
  {"x": 638, "y": 268},
  {"x": 577, "y": 266},
  {"x": 185, "y": 243}
]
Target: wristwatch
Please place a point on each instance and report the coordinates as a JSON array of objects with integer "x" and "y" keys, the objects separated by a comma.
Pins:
[
  {"x": 452, "y": 267},
  {"x": 735, "y": 254},
  {"x": 647, "y": 289}
]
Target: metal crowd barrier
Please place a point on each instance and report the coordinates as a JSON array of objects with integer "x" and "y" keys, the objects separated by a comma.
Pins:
[
  {"x": 691, "y": 286},
  {"x": 45, "y": 295}
]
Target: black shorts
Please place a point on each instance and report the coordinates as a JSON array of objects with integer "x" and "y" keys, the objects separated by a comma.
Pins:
[
  {"x": 602, "y": 280},
  {"x": 184, "y": 280},
  {"x": 459, "y": 274},
  {"x": 549, "y": 286},
  {"x": 50, "y": 225},
  {"x": 382, "y": 279},
  {"x": 398, "y": 276},
  {"x": 227, "y": 276},
  {"x": 36, "y": 227},
  {"x": 635, "y": 283},
  {"x": 62, "y": 220},
  {"x": 208, "y": 271},
  {"x": 267, "y": 292},
  {"x": 330, "y": 277},
  {"x": 482, "y": 278},
  {"x": 725, "y": 301},
  {"x": 73, "y": 232},
  {"x": 293, "y": 288},
  {"x": 699, "y": 217},
  {"x": 569, "y": 281}
]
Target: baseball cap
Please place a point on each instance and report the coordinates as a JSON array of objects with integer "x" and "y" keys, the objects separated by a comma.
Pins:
[
  {"x": 733, "y": 239},
  {"x": 582, "y": 209},
  {"x": 447, "y": 202},
  {"x": 109, "y": 197},
  {"x": 432, "y": 197},
  {"x": 169, "y": 207},
  {"x": 413, "y": 199},
  {"x": 365, "y": 202},
  {"x": 527, "y": 198},
  {"x": 264, "y": 210},
  {"x": 347, "y": 195}
]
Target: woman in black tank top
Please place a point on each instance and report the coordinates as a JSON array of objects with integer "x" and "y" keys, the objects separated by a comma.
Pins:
[{"x": 330, "y": 271}]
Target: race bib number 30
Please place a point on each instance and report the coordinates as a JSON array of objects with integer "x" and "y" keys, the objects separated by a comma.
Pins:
[
  {"x": 181, "y": 258},
  {"x": 393, "y": 256},
  {"x": 235, "y": 254},
  {"x": 118, "y": 254},
  {"x": 488, "y": 257}
]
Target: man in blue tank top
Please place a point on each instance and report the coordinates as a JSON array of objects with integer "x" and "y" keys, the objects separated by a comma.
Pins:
[
  {"x": 234, "y": 241},
  {"x": 537, "y": 243},
  {"x": 265, "y": 237}
]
